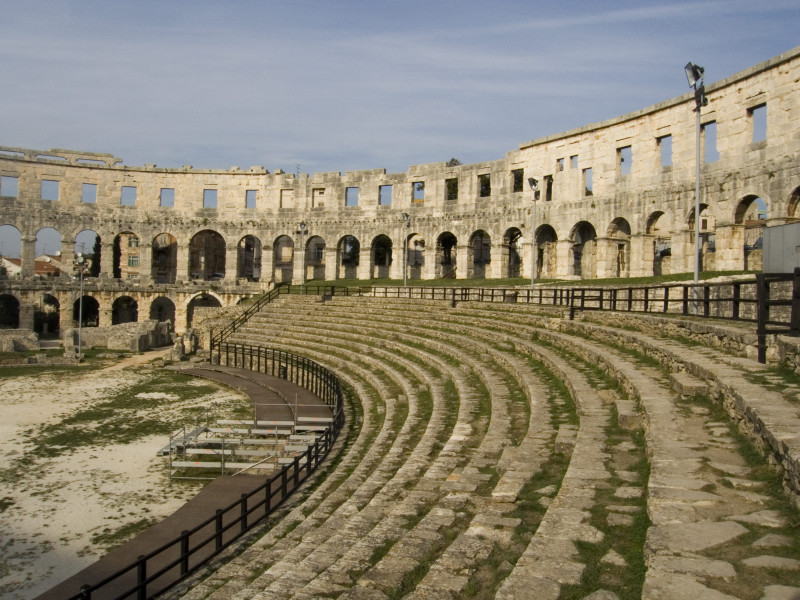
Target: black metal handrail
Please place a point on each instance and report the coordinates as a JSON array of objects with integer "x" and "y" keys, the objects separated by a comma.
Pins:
[{"x": 194, "y": 547}]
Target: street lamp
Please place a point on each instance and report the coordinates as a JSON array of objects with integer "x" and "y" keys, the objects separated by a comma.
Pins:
[
  {"x": 81, "y": 262},
  {"x": 407, "y": 221},
  {"x": 534, "y": 185},
  {"x": 694, "y": 75},
  {"x": 301, "y": 236}
]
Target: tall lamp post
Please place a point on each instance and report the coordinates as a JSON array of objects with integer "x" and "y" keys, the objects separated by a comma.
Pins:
[
  {"x": 81, "y": 262},
  {"x": 534, "y": 185},
  {"x": 694, "y": 74},
  {"x": 407, "y": 221},
  {"x": 301, "y": 233}
]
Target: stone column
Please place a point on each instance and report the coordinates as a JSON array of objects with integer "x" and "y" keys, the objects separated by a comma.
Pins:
[
  {"x": 267, "y": 268},
  {"x": 495, "y": 267},
  {"x": 604, "y": 255},
  {"x": 330, "y": 263},
  {"x": 182, "y": 260},
  {"x": 365, "y": 262},
  {"x": 396, "y": 268},
  {"x": 28, "y": 256},
  {"x": 107, "y": 259},
  {"x": 464, "y": 269},
  {"x": 563, "y": 259},
  {"x": 299, "y": 263},
  {"x": 26, "y": 309},
  {"x": 730, "y": 247},
  {"x": 65, "y": 318},
  {"x": 231, "y": 263},
  {"x": 641, "y": 255},
  {"x": 145, "y": 263},
  {"x": 682, "y": 252},
  {"x": 105, "y": 313},
  {"x": 67, "y": 257}
]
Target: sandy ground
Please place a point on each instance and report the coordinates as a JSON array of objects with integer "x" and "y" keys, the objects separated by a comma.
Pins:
[{"x": 52, "y": 510}]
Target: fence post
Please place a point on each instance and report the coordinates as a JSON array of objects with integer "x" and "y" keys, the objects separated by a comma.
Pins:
[
  {"x": 794, "y": 325},
  {"x": 762, "y": 308},
  {"x": 685, "y": 310},
  {"x": 86, "y": 592},
  {"x": 737, "y": 294},
  {"x": 218, "y": 530},
  {"x": 141, "y": 578},
  {"x": 184, "y": 552},
  {"x": 243, "y": 513},
  {"x": 706, "y": 301}
]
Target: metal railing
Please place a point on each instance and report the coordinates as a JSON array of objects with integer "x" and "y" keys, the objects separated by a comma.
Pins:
[{"x": 152, "y": 573}]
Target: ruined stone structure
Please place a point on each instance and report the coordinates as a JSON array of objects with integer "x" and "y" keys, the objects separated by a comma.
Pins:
[{"x": 617, "y": 199}]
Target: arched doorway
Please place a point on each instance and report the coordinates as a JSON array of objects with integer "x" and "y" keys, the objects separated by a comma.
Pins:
[
  {"x": 164, "y": 266},
  {"x": 446, "y": 256},
  {"x": 48, "y": 253},
  {"x": 584, "y": 250},
  {"x": 282, "y": 259},
  {"x": 207, "y": 256},
  {"x": 126, "y": 256},
  {"x": 545, "y": 247},
  {"x": 480, "y": 254},
  {"x": 9, "y": 312},
  {"x": 46, "y": 317},
  {"x": 657, "y": 227},
  {"x": 315, "y": 258},
  {"x": 415, "y": 255},
  {"x": 619, "y": 242},
  {"x": 124, "y": 310},
  {"x": 200, "y": 301},
  {"x": 512, "y": 253},
  {"x": 162, "y": 309},
  {"x": 348, "y": 251},
  {"x": 381, "y": 257},
  {"x": 90, "y": 311},
  {"x": 87, "y": 244},
  {"x": 249, "y": 258},
  {"x": 751, "y": 212}
]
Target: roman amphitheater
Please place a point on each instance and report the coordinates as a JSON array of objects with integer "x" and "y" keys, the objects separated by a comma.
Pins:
[{"x": 492, "y": 449}]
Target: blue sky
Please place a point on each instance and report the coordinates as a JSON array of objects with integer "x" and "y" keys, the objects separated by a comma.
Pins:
[{"x": 353, "y": 85}]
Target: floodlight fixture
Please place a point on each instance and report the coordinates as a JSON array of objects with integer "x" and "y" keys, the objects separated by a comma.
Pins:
[
  {"x": 694, "y": 74},
  {"x": 534, "y": 183}
]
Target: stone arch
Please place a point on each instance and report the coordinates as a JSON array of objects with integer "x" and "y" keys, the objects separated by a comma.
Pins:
[
  {"x": 248, "y": 256},
  {"x": 619, "y": 248},
  {"x": 86, "y": 309},
  {"x": 446, "y": 255},
  {"x": 162, "y": 309},
  {"x": 479, "y": 254},
  {"x": 88, "y": 244},
  {"x": 347, "y": 257},
  {"x": 415, "y": 255},
  {"x": 9, "y": 311},
  {"x": 207, "y": 255},
  {"x": 282, "y": 258},
  {"x": 511, "y": 257},
  {"x": 546, "y": 244},
  {"x": 656, "y": 227},
  {"x": 47, "y": 317},
  {"x": 794, "y": 201},
  {"x": 10, "y": 248},
  {"x": 126, "y": 255},
  {"x": 380, "y": 257},
  {"x": 315, "y": 258},
  {"x": 48, "y": 245},
  {"x": 584, "y": 250},
  {"x": 124, "y": 310},
  {"x": 204, "y": 300},
  {"x": 164, "y": 263},
  {"x": 751, "y": 212}
]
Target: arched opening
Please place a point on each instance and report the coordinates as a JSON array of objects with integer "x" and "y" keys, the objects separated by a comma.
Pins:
[
  {"x": 207, "y": 256},
  {"x": 315, "y": 258},
  {"x": 415, "y": 255},
  {"x": 90, "y": 312},
  {"x": 200, "y": 301},
  {"x": 619, "y": 239},
  {"x": 348, "y": 251},
  {"x": 46, "y": 317},
  {"x": 545, "y": 245},
  {"x": 47, "y": 248},
  {"x": 283, "y": 258},
  {"x": 10, "y": 251},
  {"x": 752, "y": 213},
  {"x": 708, "y": 238},
  {"x": 87, "y": 244},
  {"x": 164, "y": 265},
  {"x": 584, "y": 250},
  {"x": 792, "y": 213},
  {"x": 662, "y": 243},
  {"x": 124, "y": 310},
  {"x": 480, "y": 254},
  {"x": 381, "y": 257},
  {"x": 9, "y": 312},
  {"x": 126, "y": 256},
  {"x": 162, "y": 309},
  {"x": 446, "y": 256},
  {"x": 249, "y": 258},
  {"x": 512, "y": 253}
]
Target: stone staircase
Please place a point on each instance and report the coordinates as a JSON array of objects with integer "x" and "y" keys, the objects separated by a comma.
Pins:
[{"x": 501, "y": 451}]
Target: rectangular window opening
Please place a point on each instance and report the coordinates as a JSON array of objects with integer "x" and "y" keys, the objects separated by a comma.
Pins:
[
  {"x": 451, "y": 189},
  {"x": 9, "y": 186},
  {"x": 385, "y": 195},
  {"x": 89, "y": 193},
  {"x": 287, "y": 199},
  {"x": 167, "y": 197},
  {"x": 517, "y": 179},
  {"x": 418, "y": 191},
  {"x": 708, "y": 139},
  {"x": 133, "y": 261},
  {"x": 758, "y": 117},
  {"x": 548, "y": 188},
  {"x": 665, "y": 144},
  {"x": 49, "y": 189},
  {"x": 587, "y": 181},
  {"x": 559, "y": 164},
  {"x": 485, "y": 185},
  {"x": 351, "y": 196},
  {"x": 624, "y": 160},
  {"x": 209, "y": 198},
  {"x": 573, "y": 161},
  {"x": 127, "y": 196},
  {"x": 317, "y": 197},
  {"x": 250, "y": 199}
]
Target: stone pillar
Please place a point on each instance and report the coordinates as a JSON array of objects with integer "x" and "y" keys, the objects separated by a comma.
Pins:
[
  {"x": 464, "y": 269},
  {"x": 267, "y": 268},
  {"x": 683, "y": 252},
  {"x": 26, "y": 314},
  {"x": 494, "y": 269},
  {"x": 67, "y": 257},
  {"x": 145, "y": 263},
  {"x": 330, "y": 263},
  {"x": 65, "y": 316},
  {"x": 563, "y": 259},
  {"x": 182, "y": 260},
  {"x": 105, "y": 313},
  {"x": 231, "y": 263},
  {"x": 641, "y": 255},
  {"x": 730, "y": 248},
  {"x": 396, "y": 268},
  {"x": 604, "y": 255},
  {"x": 365, "y": 263},
  {"x": 28, "y": 256},
  {"x": 299, "y": 264},
  {"x": 107, "y": 259},
  {"x": 429, "y": 264}
]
